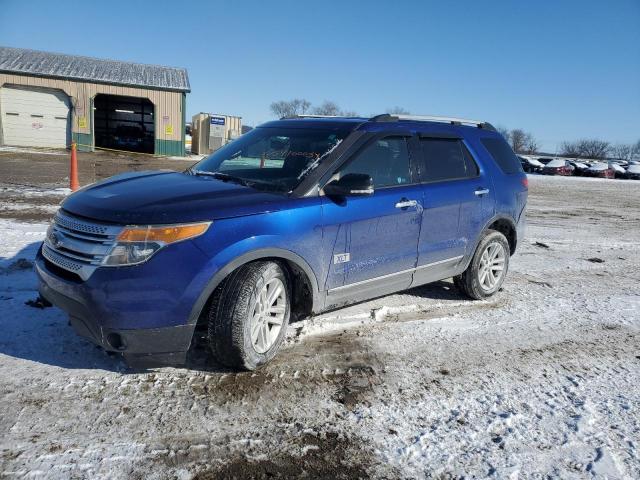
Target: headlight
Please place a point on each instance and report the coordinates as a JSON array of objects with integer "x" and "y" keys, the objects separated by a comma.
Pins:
[{"x": 137, "y": 244}]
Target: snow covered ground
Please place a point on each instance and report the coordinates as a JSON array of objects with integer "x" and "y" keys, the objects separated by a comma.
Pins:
[{"x": 541, "y": 380}]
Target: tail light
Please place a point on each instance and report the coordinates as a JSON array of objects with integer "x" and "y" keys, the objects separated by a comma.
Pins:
[{"x": 525, "y": 182}]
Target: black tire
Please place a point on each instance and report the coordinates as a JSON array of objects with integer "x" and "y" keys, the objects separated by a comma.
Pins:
[
  {"x": 469, "y": 281},
  {"x": 229, "y": 311}
]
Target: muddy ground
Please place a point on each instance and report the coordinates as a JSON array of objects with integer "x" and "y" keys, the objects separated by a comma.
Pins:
[
  {"x": 50, "y": 167},
  {"x": 541, "y": 380}
]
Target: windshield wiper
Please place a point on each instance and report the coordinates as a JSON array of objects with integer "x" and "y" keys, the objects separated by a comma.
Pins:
[{"x": 225, "y": 177}]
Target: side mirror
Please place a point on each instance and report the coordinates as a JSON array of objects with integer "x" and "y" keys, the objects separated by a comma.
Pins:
[{"x": 352, "y": 184}]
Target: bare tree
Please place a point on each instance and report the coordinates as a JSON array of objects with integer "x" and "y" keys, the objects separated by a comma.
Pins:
[
  {"x": 592, "y": 148},
  {"x": 398, "y": 111},
  {"x": 303, "y": 105},
  {"x": 570, "y": 149},
  {"x": 290, "y": 108},
  {"x": 518, "y": 139},
  {"x": 623, "y": 151},
  {"x": 504, "y": 132},
  {"x": 327, "y": 108},
  {"x": 530, "y": 145},
  {"x": 586, "y": 148},
  {"x": 349, "y": 113}
]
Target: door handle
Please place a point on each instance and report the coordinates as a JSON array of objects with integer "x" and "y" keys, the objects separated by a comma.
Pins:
[
  {"x": 404, "y": 203},
  {"x": 481, "y": 191}
]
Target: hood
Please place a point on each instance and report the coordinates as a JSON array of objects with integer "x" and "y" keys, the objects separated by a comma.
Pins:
[{"x": 168, "y": 197}]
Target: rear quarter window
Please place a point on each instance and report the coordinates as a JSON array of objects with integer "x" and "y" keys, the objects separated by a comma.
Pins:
[{"x": 503, "y": 155}]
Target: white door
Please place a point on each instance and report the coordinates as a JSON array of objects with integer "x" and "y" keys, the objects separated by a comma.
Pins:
[{"x": 34, "y": 117}]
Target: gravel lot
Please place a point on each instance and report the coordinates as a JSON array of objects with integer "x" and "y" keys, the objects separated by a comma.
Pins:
[{"x": 541, "y": 380}]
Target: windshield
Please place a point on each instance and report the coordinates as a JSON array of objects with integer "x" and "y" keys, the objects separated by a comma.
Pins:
[{"x": 275, "y": 159}]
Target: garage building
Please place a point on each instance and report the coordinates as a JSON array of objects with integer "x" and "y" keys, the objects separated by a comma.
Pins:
[{"x": 51, "y": 99}]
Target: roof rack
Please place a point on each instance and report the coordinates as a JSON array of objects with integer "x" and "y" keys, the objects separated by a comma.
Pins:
[
  {"x": 391, "y": 117},
  {"x": 291, "y": 117},
  {"x": 450, "y": 120},
  {"x": 435, "y": 118}
]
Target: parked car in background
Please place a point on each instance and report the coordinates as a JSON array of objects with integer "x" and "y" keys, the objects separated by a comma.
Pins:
[
  {"x": 544, "y": 160},
  {"x": 558, "y": 167},
  {"x": 601, "y": 170},
  {"x": 296, "y": 217},
  {"x": 530, "y": 165},
  {"x": 579, "y": 168},
  {"x": 633, "y": 172},
  {"x": 132, "y": 137},
  {"x": 618, "y": 170}
]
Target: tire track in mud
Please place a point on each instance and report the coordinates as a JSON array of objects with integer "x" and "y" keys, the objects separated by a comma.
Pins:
[{"x": 201, "y": 404}]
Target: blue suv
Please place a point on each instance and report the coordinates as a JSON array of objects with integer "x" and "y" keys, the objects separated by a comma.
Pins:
[{"x": 296, "y": 217}]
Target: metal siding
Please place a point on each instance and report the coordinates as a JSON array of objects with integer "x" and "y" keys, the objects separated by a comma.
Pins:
[
  {"x": 166, "y": 104},
  {"x": 233, "y": 123},
  {"x": 169, "y": 148}
]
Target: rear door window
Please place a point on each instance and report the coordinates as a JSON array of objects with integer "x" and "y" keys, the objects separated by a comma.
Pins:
[
  {"x": 386, "y": 161},
  {"x": 502, "y": 154},
  {"x": 446, "y": 159}
]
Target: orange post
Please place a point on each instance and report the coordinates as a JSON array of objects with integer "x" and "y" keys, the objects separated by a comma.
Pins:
[{"x": 73, "y": 169}]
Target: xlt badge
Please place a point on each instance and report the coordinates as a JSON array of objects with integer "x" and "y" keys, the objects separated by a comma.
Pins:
[{"x": 341, "y": 258}]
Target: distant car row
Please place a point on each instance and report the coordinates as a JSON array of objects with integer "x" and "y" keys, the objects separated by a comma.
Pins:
[{"x": 560, "y": 166}]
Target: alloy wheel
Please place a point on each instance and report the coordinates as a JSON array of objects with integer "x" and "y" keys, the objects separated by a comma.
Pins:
[
  {"x": 268, "y": 315},
  {"x": 491, "y": 268}
]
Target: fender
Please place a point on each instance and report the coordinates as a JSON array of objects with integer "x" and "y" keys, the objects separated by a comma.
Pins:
[
  {"x": 465, "y": 264},
  {"x": 222, "y": 273}
]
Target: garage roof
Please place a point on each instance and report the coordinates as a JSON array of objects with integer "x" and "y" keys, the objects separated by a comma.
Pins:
[{"x": 73, "y": 67}]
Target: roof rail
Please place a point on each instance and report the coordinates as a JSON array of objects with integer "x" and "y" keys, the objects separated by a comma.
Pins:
[
  {"x": 384, "y": 117},
  {"x": 432, "y": 118},
  {"x": 392, "y": 117},
  {"x": 291, "y": 117}
]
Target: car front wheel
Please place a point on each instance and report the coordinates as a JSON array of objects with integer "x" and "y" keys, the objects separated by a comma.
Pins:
[{"x": 248, "y": 315}]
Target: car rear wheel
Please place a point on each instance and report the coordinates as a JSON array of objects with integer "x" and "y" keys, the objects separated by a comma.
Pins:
[
  {"x": 488, "y": 268},
  {"x": 248, "y": 315}
]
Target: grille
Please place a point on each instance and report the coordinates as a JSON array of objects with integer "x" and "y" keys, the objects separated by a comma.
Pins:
[
  {"x": 77, "y": 245},
  {"x": 59, "y": 260},
  {"x": 80, "y": 226}
]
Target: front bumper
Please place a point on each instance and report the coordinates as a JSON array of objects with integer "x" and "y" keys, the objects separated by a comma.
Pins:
[{"x": 146, "y": 333}]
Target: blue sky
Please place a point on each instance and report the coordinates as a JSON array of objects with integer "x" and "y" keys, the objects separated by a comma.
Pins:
[{"x": 560, "y": 69}]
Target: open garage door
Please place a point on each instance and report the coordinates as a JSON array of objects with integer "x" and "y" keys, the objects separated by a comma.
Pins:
[
  {"x": 124, "y": 123},
  {"x": 34, "y": 117}
]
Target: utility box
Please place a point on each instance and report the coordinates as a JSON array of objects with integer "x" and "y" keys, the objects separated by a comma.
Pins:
[
  {"x": 210, "y": 131},
  {"x": 199, "y": 134}
]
